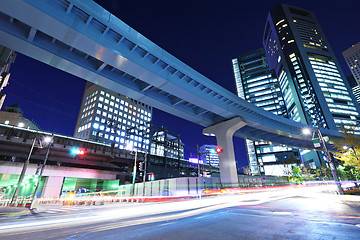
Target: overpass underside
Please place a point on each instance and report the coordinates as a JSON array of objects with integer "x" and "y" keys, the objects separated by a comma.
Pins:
[{"x": 85, "y": 40}]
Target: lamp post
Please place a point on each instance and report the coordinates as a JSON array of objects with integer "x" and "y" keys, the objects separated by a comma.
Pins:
[
  {"x": 22, "y": 175},
  {"x": 49, "y": 140},
  {"x": 332, "y": 165}
]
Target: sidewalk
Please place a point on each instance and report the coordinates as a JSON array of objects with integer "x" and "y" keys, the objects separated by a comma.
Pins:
[{"x": 13, "y": 211}]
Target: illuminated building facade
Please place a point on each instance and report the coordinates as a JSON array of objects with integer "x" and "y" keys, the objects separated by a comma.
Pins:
[
  {"x": 105, "y": 116},
  {"x": 314, "y": 88},
  {"x": 208, "y": 155},
  {"x": 356, "y": 92},
  {"x": 13, "y": 115},
  {"x": 257, "y": 84},
  {"x": 7, "y": 56},
  {"x": 352, "y": 58},
  {"x": 166, "y": 144}
]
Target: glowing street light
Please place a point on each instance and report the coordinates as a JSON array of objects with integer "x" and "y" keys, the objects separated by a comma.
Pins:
[
  {"x": 306, "y": 131},
  {"x": 49, "y": 140},
  {"x": 323, "y": 140}
]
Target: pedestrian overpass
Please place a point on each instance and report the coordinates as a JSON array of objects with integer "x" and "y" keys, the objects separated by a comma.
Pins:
[{"x": 82, "y": 38}]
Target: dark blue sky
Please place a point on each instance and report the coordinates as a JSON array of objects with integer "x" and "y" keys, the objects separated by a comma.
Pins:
[{"x": 204, "y": 35}]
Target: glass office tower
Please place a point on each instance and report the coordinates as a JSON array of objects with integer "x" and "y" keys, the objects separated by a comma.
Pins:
[
  {"x": 106, "y": 116},
  {"x": 352, "y": 58},
  {"x": 257, "y": 84},
  {"x": 314, "y": 88}
]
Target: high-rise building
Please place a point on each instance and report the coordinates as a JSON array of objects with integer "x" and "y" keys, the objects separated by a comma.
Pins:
[
  {"x": 354, "y": 86},
  {"x": 208, "y": 155},
  {"x": 106, "y": 116},
  {"x": 356, "y": 92},
  {"x": 352, "y": 58},
  {"x": 314, "y": 88},
  {"x": 257, "y": 84}
]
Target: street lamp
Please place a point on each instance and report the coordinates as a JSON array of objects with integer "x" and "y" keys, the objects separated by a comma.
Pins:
[
  {"x": 307, "y": 131},
  {"x": 49, "y": 141},
  {"x": 22, "y": 175}
]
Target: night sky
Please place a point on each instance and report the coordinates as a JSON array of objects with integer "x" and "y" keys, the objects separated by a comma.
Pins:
[{"x": 204, "y": 35}]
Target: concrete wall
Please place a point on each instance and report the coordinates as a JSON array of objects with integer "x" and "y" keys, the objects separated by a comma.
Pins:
[{"x": 15, "y": 168}]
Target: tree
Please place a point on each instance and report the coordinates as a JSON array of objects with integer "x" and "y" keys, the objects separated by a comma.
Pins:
[
  {"x": 348, "y": 172},
  {"x": 348, "y": 148}
]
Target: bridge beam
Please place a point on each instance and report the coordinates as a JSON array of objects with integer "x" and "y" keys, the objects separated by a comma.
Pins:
[{"x": 224, "y": 133}]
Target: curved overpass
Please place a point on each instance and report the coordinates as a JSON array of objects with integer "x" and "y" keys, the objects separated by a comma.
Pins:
[{"x": 84, "y": 39}]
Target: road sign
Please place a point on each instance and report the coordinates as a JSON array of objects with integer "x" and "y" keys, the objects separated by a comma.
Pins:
[{"x": 316, "y": 142}]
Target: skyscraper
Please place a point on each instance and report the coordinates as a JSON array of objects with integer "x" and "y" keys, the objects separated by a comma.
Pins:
[
  {"x": 257, "y": 84},
  {"x": 352, "y": 58},
  {"x": 314, "y": 88},
  {"x": 106, "y": 116}
]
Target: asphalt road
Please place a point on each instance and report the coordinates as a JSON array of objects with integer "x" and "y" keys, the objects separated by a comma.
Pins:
[{"x": 288, "y": 214}]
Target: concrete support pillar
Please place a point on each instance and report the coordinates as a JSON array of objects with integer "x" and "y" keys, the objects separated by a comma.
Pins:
[
  {"x": 224, "y": 133},
  {"x": 52, "y": 186}
]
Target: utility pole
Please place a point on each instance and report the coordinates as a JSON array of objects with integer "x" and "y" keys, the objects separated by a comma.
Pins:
[
  {"x": 22, "y": 175},
  {"x": 145, "y": 168},
  {"x": 41, "y": 172},
  {"x": 134, "y": 173},
  {"x": 332, "y": 165}
]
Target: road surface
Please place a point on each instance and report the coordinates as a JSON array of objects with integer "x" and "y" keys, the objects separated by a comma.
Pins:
[{"x": 301, "y": 213}]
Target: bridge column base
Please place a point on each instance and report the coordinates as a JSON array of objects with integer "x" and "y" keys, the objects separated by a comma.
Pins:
[{"x": 224, "y": 133}]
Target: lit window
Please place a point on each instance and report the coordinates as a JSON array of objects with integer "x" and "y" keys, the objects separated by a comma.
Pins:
[{"x": 21, "y": 124}]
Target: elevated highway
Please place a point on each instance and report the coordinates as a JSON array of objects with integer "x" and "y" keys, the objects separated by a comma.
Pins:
[{"x": 83, "y": 39}]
